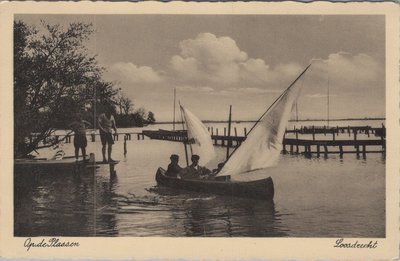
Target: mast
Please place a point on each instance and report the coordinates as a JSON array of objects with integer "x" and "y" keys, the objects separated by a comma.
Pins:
[
  {"x": 277, "y": 99},
  {"x": 328, "y": 103},
  {"x": 174, "y": 108},
  {"x": 184, "y": 142},
  {"x": 229, "y": 131}
]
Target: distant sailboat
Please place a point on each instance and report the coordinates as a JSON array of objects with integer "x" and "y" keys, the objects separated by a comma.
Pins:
[{"x": 261, "y": 149}]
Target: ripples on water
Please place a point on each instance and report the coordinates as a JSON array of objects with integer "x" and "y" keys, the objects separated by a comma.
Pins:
[{"x": 313, "y": 198}]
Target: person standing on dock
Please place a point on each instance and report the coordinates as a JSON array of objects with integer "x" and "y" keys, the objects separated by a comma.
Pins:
[
  {"x": 106, "y": 124},
  {"x": 80, "y": 141}
]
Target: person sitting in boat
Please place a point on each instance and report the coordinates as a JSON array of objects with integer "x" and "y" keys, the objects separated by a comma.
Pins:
[
  {"x": 173, "y": 167},
  {"x": 194, "y": 171},
  {"x": 218, "y": 169}
]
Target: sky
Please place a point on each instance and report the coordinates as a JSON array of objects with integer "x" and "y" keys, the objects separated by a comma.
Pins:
[{"x": 246, "y": 61}]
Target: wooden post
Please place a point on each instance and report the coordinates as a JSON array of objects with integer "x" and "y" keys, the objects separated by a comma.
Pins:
[
  {"x": 357, "y": 151},
  {"x": 217, "y": 131},
  {"x": 93, "y": 136},
  {"x": 313, "y": 133},
  {"x": 284, "y": 149},
  {"x": 325, "y": 151},
  {"x": 235, "y": 132},
  {"x": 383, "y": 139},
  {"x": 112, "y": 170},
  {"x": 297, "y": 148},
  {"x": 318, "y": 151},
  {"x": 333, "y": 135},
  {"x": 212, "y": 131},
  {"x": 138, "y": 136},
  {"x": 291, "y": 149},
  {"x": 364, "y": 152},
  {"x": 245, "y": 132},
  {"x": 125, "y": 151},
  {"x": 229, "y": 132},
  {"x": 348, "y": 130},
  {"x": 224, "y": 131},
  {"x": 341, "y": 151}
]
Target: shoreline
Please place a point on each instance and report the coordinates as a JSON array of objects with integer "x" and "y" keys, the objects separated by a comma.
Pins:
[{"x": 304, "y": 120}]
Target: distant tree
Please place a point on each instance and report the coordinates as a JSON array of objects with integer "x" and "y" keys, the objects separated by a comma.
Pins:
[
  {"x": 127, "y": 105},
  {"x": 54, "y": 77},
  {"x": 150, "y": 118},
  {"x": 141, "y": 112},
  {"x": 124, "y": 103}
]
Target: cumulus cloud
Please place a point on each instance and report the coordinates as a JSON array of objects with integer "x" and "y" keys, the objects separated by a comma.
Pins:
[
  {"x": 218, "y": 61},
  {"x": 211, "y": 64},
  {"x": 346, "y": 71},
  {"x": 132, "y": 73},
  {"x": 195, "y": 88}
]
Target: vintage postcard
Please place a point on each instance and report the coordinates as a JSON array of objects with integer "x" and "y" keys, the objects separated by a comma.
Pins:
[{"x": 199, "y": 130}]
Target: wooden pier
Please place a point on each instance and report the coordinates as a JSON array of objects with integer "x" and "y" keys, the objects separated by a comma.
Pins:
[
  {"x": 376, "y": 138},
  {"x": 310, "y": 142},
  {"x": 307, "y": 140}
]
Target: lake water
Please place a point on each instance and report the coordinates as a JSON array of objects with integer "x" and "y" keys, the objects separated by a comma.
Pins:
[{"x": 314, "y": 197}]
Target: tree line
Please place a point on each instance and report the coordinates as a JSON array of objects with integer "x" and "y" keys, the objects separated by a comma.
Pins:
[{"x": 56, "y": 77}]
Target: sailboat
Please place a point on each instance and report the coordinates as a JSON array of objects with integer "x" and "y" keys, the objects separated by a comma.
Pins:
[{"x": 260, "y": 150}]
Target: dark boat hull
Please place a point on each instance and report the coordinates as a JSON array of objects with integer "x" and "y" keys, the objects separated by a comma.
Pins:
[{"x": 260, "y": 189}]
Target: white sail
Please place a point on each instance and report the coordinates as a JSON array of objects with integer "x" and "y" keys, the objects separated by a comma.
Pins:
[
  {"x": 199, "y": 137},
  {"x": 263, "y": 145}
]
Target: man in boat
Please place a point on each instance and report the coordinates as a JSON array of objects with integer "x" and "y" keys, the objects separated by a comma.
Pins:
[
  {"x": 106, "y": 123},
  {"x": 218, "y": 169},
  {"x": 80, "y": 141},
  {"x": 173, "y": 167},
  {"x": 194, "y": 171}
]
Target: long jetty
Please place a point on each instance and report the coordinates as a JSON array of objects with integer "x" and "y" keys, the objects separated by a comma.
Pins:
[{"x": 306, "y": 140}]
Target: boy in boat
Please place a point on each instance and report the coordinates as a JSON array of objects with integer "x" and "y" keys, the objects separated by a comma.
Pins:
[
  {"x": 106, "y": 124},
  {"x": 194, "y": 171},
  {"x": 80, "y": 141},
  {"x": 173, "y": 167}
]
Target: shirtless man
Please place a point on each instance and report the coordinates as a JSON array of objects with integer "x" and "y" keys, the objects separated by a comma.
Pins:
[{"x": 106, "y": 124}]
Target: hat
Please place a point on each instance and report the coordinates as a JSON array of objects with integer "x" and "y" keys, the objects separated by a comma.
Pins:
[
  {"x": 195, "y": 157},
  {"x": 174, "y": 156}
]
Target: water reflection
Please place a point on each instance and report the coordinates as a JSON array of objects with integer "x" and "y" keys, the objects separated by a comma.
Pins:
[
  {"x": 224, "y": 216},
  {"x": 314, "y": 198},
  {"x": 61, "y": 204}
]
